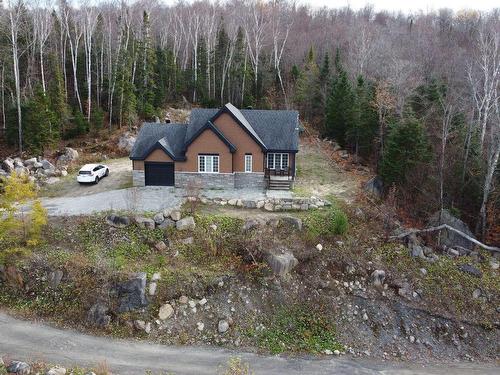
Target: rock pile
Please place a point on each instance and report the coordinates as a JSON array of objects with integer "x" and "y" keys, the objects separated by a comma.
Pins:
[{"x": 40, "y": 171}]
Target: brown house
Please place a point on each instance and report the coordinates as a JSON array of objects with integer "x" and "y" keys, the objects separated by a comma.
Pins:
[{"x": 219, "y": 148}]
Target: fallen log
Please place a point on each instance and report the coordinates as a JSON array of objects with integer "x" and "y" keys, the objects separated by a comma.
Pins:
[{"x": 446, "y": 226}]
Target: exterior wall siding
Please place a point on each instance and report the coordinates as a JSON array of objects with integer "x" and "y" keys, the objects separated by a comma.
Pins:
[
  {"x": 243, "y": 142},
  {"x": 206, "y": 143}
]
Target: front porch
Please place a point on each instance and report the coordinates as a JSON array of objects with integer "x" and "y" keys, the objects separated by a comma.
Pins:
[{"x": 279, "y": 179}]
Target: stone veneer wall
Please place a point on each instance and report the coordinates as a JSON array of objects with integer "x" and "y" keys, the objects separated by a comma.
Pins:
[
  {"x": 138, "y": 178},
  {"x": 249, "y": 180},
  {"x": 205, "y": 180},
  {"x": 210, "y": 180}
]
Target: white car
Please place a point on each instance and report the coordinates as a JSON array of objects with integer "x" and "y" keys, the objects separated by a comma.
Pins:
[{"x": 92, "y": 173}]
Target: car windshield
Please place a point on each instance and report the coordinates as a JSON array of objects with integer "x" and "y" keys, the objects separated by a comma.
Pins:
[{"x": 85, "y": 172}]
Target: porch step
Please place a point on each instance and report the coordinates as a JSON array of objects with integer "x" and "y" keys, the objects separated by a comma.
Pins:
[{"x": 279, "y": 185}]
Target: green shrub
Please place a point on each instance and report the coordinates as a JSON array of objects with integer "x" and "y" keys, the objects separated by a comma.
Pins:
[
  {"x": 329, "y": 222},
  {"x": 297, "y": 329}
]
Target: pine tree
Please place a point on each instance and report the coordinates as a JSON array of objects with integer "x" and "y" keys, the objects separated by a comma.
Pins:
[
  {"x": 221, "y": 52},
  {"x": 40, "y": 124},
  {"x": 162, "y": 78},
  {"x": 146, "y": 73},
  {"x": 340, "y": 105},
  {"x": 201, "y": 84},
  {"x": 238, "y": 72},
  {"x": 406, "y": 147},
  {"x": 307, "y": 94},
  {"x": 363, "y": 129},
  {"x": 57, "y": 99}
]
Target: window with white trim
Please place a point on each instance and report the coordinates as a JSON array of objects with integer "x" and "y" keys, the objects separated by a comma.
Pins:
[
  {"x": 248, "y": 163},
  {"x": 277, "y": 161},
  {"x": 208, "y": 163}
]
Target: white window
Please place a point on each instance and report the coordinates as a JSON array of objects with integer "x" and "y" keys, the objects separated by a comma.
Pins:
[
  {"x": 248, "y": 163},
  {"x": 270, "y": 161},
  {"x": 208, "y": 163},
  {"x": 277, "y": 161}
]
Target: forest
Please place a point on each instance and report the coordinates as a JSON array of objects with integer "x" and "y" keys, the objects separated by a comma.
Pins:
[{"x": 415, "y": 96}]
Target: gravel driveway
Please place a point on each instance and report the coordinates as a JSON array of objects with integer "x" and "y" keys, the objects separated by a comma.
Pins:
[
  {"x": 120, "y": 176},
  {"x": 142, "y": 199},
  {"x": 25, "y": 340},
  {"x": 150, "y": 198}
]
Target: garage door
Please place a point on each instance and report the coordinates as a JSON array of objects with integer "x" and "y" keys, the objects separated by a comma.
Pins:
[{"x": 159, "y": 174}]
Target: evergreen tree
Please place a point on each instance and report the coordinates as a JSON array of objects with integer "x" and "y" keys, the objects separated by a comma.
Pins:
[
  {"x": 307, "y": 94},
  {"x": 146, "y": 82},
  {"x": 238, "y": 74},
  {"x": 340, "y": 105},
  {"x": 201, "y": 84},
  {"x": 363, "y": 129},
  {"x": 221, "y": 52},
  {"x": 40, "y": 124},
  {"x": 162, "y": 78},
  {"x": 57, "y": 99},
  {"x": 406, "y": 147}
]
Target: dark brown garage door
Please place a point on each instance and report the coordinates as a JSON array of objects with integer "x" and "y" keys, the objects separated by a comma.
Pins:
[{"x": 159, "y": 174}]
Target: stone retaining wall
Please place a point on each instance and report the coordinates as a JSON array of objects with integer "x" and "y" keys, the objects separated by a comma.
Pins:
[{"x": 271, "y": 204}]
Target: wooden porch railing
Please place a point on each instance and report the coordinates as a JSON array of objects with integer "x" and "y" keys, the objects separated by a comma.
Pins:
[{"x": 285, "y": 172}]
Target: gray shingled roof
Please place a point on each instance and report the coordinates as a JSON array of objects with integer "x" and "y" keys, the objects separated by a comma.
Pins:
[
  {"x": 170, "y": 136},
  {"x": 278, "y": 130},
  {"x": 275, "y": 130}
]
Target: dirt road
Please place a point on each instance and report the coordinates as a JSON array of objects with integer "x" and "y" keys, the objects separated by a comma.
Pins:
[{"x": 30, "y": 341}]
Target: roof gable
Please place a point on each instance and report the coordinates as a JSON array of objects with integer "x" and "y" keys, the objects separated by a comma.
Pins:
[
  {"x": 240, "y": 120},
  {"x": 210, "y": 126}
]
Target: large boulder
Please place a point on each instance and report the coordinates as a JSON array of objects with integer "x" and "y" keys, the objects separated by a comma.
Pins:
[
  {"x": 375, "y": 186},
  {"x": 8, "y": 165},
  {"x": 30, "y": 162},
  {"x": 291, "y": 222},
  {"x": 186, "y": 224},
  {"x": 118, "y": 221},
  {"x": 126, "y": 142},
  {"x": 68, "y": 156},
  {"x": 19, "y": 368},
  {"x": 47, "y": 165},
  {"x": 98, "y": 315},
  {"x": 132, "y": 293},
  {"x": 281, "y": 262},
  {"x": 144, "y": 222},
  {"x": 56, "y": 371},
  {"x": 449, "y": 238}
]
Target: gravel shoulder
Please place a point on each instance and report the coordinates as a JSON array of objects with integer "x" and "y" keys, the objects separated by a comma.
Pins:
[{"x": 35, "y": 341}]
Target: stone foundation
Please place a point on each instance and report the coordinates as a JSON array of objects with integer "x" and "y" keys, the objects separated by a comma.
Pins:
[
  {"x": 236, "y": 180},
  {"x": 204, "y": 180},
  {"x": 246, "y": 180},
  {"x": 138, "y": 178}
]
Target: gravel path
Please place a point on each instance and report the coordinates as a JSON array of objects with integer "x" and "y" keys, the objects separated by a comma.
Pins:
[
  {"x": 28, "y": 341},
  {"x": 142, "y": 199}
]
